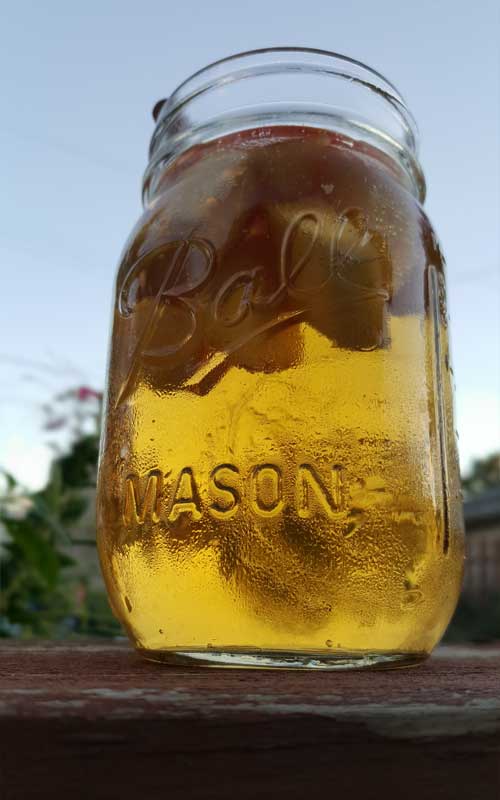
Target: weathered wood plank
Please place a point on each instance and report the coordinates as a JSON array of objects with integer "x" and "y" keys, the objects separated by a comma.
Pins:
[{"x": 94, "y": 720}]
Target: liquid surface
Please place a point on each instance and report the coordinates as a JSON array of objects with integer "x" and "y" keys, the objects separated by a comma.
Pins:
[{"x": 278, "y": 467}]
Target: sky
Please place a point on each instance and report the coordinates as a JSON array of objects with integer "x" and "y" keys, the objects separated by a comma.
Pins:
[{"x": 78, "y": 82}]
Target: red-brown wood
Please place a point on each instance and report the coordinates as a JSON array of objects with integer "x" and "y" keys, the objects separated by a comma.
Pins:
[{"x": 91, "y": 720}]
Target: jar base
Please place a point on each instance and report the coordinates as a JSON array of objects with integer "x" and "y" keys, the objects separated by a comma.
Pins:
[{"x": 253, "y": 658}]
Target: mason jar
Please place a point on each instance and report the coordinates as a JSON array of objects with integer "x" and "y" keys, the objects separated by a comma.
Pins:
[{"x": 278, "y": 481}]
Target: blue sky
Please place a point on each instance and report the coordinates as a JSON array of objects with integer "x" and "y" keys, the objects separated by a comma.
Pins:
[{"x": 78, "y": 82}]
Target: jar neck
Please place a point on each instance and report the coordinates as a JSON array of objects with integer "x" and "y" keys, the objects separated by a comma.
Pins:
[{"x": 285, "y": 86}]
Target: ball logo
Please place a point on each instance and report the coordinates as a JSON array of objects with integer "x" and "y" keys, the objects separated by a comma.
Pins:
[{"x": 173, "y": 276}]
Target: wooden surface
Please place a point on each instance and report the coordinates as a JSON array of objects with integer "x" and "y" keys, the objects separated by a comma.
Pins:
[{"x": 91, "y": 720}]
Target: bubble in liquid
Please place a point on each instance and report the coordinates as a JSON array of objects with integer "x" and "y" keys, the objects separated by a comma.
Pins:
[{"x": 412, "y": 597}]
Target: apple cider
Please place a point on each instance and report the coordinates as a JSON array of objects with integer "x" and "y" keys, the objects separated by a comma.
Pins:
[{"x": 278, "y": 481}]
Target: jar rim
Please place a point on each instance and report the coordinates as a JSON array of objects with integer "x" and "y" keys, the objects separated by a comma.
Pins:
[
  {"x": 327, "y": 61},
  {"x": 276, "y": 62}
]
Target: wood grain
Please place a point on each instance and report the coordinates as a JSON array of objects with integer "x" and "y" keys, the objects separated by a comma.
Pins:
[{"x": 92, "y": 720}]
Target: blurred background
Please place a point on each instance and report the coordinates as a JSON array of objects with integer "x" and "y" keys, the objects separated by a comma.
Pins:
[{"x": 78, "y": 85}]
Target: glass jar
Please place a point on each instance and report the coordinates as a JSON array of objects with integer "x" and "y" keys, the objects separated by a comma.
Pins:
[{"x": 278, "y": 480}]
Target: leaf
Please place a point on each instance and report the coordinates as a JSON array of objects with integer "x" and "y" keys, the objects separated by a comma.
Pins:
[
  {"x": 43, "y": 512},
  {"x": 53, "y": 491},
  {"x": 66, "y": 561},
  {"x": 11, "y": 481},
  {"x": 73, "y": 506},
  {"x": 39, "y": 552},
  {"x": 79, "y": 465}
]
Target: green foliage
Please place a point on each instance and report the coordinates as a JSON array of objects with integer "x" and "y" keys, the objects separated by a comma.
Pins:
[
  {"x": 44, "y": 589},
  {"x": 77, "y": 468},
  {"x": 484, "y": 474}
]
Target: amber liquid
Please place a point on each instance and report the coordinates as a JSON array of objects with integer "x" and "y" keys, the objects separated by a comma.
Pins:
[{"x": 278, "y": 481}]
